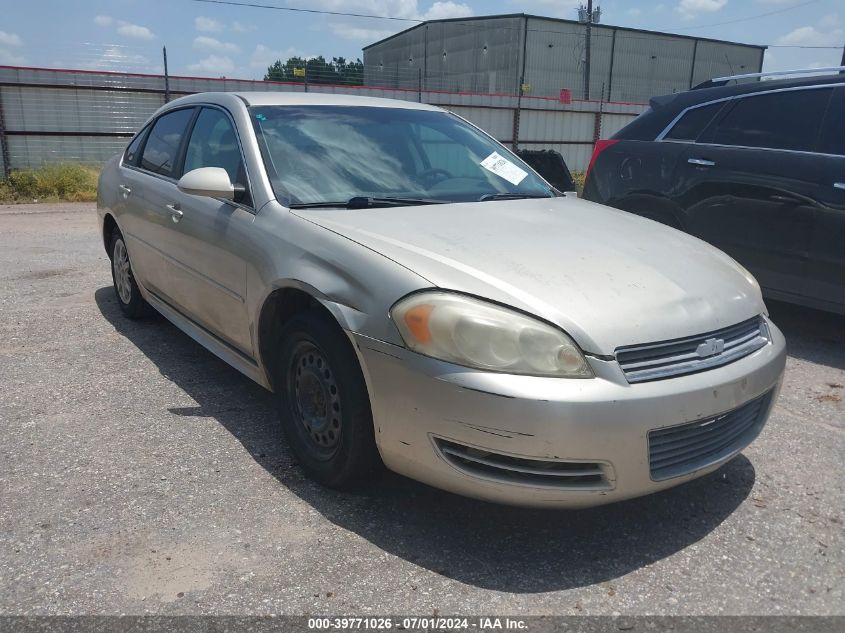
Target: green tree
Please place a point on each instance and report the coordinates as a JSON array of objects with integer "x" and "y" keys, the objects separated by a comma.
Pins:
[{"x": 318, "y": 71}]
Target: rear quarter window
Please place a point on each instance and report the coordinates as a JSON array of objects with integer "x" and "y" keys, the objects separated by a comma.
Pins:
[{"x": 690, "y": 126}]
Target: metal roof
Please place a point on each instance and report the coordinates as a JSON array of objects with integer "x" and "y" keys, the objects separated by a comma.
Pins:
[{"x": 563, "y": 21}]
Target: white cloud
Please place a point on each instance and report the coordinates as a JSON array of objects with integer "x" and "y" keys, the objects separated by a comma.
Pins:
[
  {"x": 351, "y": 32},
  {"x": 208, "y": 25},
  {"x": 135, "y": 30},
  {"x": 8, "y": 58},
  {"x": 264, "y": 56},
  {"x": 240, "y": 27},
  {"x": 103, "y": 20},
  {"x": 10, "y": 39},
  {"x": 205, "y": 43},
  {"x": 400, "y": 8},
  {"x": 826, "y": 32},
  {"x": 555, "y": 8},
  {"x": 692, "y": 8},
  {"x": 634, "y": 11},
  {"x": 214, "y": 64},
  {"x": 359, "y": 31},
  {"x": 444, "y": 10}
]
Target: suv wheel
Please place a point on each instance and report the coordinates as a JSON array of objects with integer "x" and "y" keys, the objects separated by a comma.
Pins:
[
  {"x": 323, "y": 402},
  {"x": 129, "y": 298}
]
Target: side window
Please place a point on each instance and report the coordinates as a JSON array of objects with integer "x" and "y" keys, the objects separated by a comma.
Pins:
[
  {"x": 130, "y": 156},
  {"x": 162, "y": 147},
  {"x": 833, "y": 136},
  {"x": 778, "y": 120},
  {"x": 214, "y": 144},
  {"x": 692, "y": 124}
]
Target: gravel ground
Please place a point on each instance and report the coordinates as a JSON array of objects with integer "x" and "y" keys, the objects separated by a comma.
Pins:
[{"x": 139, "y": 474}]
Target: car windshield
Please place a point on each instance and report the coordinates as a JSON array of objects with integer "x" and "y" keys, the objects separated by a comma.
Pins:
[{"x": 318, "y": 155}]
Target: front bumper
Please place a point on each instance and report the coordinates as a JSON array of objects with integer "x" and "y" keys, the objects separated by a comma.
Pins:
[{"x": 420, "y": 403}]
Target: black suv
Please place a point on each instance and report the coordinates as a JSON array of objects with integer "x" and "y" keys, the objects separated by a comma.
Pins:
[{"x": 757, "y": 169}]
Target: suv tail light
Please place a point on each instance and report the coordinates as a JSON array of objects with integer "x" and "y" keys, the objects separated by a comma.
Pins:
[{"x": 601, "y": 145}]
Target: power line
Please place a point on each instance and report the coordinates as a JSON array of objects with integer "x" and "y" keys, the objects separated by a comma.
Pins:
[
  {"x": 470, "y": 19},
  {"x": 255, "y": 5},
  {"x": 750, "y": 17}
]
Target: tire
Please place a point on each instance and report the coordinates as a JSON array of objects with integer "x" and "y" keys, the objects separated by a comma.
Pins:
[
  {"x": 129, "y": 298},
  {"x": 323, "y": 402}
]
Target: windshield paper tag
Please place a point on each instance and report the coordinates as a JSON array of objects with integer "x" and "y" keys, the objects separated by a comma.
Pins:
[{"x": 504, "y": 168}]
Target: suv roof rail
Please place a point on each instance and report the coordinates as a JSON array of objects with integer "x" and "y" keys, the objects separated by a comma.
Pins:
[{"x": 721, "y": 81}]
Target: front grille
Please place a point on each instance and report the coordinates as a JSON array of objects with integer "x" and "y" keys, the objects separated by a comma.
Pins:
[
  {"x": 522, "y": 470},
  {"x": 655, "y": 361},
  {"x": 682, "y": 449}
]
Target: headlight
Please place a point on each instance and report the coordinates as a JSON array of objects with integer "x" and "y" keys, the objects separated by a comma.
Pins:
[{"x": 478, "y": 334}]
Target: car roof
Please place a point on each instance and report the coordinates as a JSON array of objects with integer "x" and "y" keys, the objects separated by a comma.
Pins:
[
  {"x": 278, "y": 98},
  {"x": 663, "y": 109}
]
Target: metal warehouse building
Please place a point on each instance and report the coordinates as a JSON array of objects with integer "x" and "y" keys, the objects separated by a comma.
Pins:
[{"x": 500, "y": 53}]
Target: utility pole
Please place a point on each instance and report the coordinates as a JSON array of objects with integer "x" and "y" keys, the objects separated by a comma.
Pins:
[
  {"x": 588, "y": 31},
  {"x": 588, "y": 17}
]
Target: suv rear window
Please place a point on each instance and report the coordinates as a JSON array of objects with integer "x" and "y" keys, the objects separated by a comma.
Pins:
[
  {"x": 777, "y": 120},
  {"x": 162, "y": 147},
  {"x": 692, "y": 124}
]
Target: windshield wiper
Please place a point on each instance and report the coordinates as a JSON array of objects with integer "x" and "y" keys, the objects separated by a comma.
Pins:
[
  {"x": 367, "y": 202},
  {"x": 510, "y": 196}
]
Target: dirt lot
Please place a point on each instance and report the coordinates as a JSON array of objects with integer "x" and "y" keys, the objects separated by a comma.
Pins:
[{"x": 139, "y": 474}]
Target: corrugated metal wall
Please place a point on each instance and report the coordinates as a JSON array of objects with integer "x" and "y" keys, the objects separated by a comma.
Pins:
[
  {"x": 84, "y": 116},
  {"x": 627, "y": 65},
  {"x": 450, "y": 56}
]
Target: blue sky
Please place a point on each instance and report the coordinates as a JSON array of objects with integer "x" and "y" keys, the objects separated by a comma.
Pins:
[{"x": 217, "y": 40}]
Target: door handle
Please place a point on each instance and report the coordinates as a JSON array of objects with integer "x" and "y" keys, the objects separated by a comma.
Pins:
[
  {"x": 839, "y": 185},
  {"x": 780, "y": 198},
  {"x": 703, "y": 162},
  {"x": 126, "y": 190},
  {"x": 175, "y": 212}
]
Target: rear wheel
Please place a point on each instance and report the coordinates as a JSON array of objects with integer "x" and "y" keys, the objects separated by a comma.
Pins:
[
  {"x": 323, "y": 402},
  {"x": 129, "y": 298}
]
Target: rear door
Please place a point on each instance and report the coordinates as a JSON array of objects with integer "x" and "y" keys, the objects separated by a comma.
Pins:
[
  {"x": 148, "y": 184},
  {"x": 826, "y": 269},
  {"x": 750, "y": 184},
  {"x": 211, "y": 237}
]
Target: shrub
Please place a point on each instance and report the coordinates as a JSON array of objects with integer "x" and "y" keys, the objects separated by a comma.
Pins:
[
  {"x": 578, "y": 180},
  {"x": 70, "y": 182}
]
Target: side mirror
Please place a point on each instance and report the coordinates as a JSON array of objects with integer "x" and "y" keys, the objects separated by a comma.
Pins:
[{"x": 212, "y": 182}]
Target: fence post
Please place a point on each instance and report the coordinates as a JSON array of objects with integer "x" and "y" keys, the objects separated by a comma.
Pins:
[
  {"x": 166, "y": 76},
  {"x": 4, "y": 142},
  {"x": 597, "y": 123}
]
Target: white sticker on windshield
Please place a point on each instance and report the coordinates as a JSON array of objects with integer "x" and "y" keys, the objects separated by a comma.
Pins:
[{"x": 502, "y": 167}]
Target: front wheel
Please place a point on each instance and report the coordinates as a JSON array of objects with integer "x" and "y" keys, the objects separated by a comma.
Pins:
[
  {"x": 323, "y": 402},
  {"x": 129, "y": 298}
]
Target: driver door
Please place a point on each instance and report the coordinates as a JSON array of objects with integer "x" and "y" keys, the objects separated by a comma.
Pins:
[{"x": 213, "y": 236}]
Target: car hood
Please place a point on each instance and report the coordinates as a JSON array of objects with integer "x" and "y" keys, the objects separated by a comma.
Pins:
[{"x": 607, "y": 277}]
